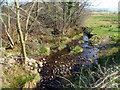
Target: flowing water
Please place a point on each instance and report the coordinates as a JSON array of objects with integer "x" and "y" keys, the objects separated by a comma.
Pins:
[
  {"x": 58, "y": 70},
  {"x": 89, "y": 51}
]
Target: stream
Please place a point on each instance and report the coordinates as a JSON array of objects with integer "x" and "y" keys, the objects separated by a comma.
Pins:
[
  {"x": 57, "y": 71},
  {"x": 89, "y": 51}
]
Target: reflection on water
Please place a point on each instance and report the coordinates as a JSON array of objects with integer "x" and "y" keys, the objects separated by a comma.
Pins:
[
  {"x": 58, "y": 66},
  {"x": 85, "y": 38}
]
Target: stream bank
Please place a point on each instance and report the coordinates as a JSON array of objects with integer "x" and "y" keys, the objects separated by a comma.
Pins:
[{"x": 57, "y": 72}]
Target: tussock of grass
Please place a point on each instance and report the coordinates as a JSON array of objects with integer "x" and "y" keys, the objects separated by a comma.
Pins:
[
  {"x": 98, "y": 77},
  {"x": 16, "y": 77},
  {"x": 76, "y": 50}
]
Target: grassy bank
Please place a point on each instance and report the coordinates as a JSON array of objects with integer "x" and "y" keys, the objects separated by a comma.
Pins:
[
  {"x": 15, "y": 76},
  {"x": 107, "y": 73},
  {"x": 107, "y": 25}
]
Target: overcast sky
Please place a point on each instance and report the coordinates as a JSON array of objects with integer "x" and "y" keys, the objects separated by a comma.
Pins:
[
  {"x": 96, "y": 3},
  {"x": 106, "y": 3}
]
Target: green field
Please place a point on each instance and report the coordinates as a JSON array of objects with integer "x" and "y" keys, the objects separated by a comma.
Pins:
[
  {"x": 104, "y": 24},
  {"x": 109, "y": 55}
]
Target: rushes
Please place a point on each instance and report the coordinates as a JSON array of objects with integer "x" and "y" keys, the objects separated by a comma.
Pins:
[{"x": 99, "y": 77}]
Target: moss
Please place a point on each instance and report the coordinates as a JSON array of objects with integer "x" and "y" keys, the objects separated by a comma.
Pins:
[
  {"x": 95, "y": 39},
  {"x": 76, "y": 50},
  {"x": 65, "y": 40},
  {"x": 62, "y": 46},
  {"x": 81, "y": 41},
  {"x": 112, "y": 51},
  {"x": 20, "y": 81},
  {"x": 44, "y": 49},
  {"x": 77, "y": 36},
  {"x": 9, "y": 50},
  {"x": 37, "y": 78}
]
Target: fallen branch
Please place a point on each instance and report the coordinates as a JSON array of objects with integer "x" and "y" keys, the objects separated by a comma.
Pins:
[
  {"x": 104, "y": 86},
  {"x": 115, "y": 73}
]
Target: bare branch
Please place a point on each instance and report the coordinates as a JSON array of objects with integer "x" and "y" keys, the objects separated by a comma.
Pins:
[
  {"x": 9, "y": 37},
  {"x": 115, "y": 73}
]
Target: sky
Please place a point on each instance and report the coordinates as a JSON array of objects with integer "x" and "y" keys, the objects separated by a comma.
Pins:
[
  {"x": 96, "y": 3},
  {"x": 106, "y": 3}
]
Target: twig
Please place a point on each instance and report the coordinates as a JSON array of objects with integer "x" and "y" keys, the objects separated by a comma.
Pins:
[
  {"x": 114, "y": 84},
  {"x": 106, "y": 78},
  {"x": 101, "y": 70},
  {"x": 109, "y": 82},
  {"x": 68, "y": 81},
  {"x": 3, "y": 14}
]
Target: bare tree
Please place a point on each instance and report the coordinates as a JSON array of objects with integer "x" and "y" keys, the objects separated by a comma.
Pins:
[
  {"x": 7, "y": 33},
  {"x": 20, "y": 32},
  {"x": 7, "y": 25},
  {"x": 23, "y": 34},
  {"x": 54, "y": 18},
  {"x": 60, "y": 16}
]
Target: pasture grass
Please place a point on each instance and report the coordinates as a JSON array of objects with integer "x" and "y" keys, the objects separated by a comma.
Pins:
[
  {"x": 105, "y": 74},
  {"x": 104, "y": 25}
]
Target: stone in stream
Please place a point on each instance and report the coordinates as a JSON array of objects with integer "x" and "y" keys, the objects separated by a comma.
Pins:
[
  {"x": 39, "y": 70},
  {"x": 94, "y": 55},
  {"x": 36, "y": 65},
  {"x": 31, "y": 68},
  {"x": 89, "y": 59},
  {"x": 40, "y": 64},
  {"x": 30, "y": 64}
]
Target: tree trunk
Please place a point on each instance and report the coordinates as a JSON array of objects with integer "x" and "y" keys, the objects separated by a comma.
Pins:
[
  {"x": 20, "y": 32},
  {"x": 8, "y": 27}
]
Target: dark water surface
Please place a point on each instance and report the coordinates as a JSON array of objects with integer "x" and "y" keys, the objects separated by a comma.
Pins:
[
  {"x": 58, "y": 70},
  {"x": 89, "y": 51}
]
